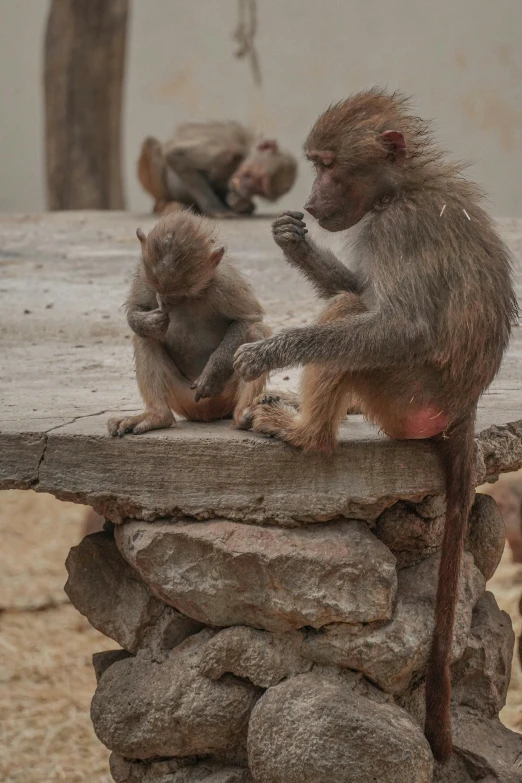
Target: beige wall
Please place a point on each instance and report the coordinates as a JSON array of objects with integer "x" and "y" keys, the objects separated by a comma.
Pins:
[{"x": 461, "y": 58}]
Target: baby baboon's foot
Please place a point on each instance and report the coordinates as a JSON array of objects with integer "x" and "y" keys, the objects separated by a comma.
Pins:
[
  {"x": 267, "y": 399},
  {"x": 289, "y": 398},
  {"x": 280, "y": 421},
  {"x": 245, "y": 419},
  {"x": 271, "y": 417},
  {"x": 144, "y": 422}
]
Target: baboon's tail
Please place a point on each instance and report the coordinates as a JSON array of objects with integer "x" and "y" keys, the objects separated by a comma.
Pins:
[{"x": 457, "y": 451}]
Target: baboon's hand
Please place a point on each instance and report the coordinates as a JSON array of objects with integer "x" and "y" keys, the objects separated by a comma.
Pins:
[
  {"x": 209, "y": 384},
  {"x": 253, "y": 359},
  {"x": 150, "y": 324},
  {"x": 289, "y": 231}
]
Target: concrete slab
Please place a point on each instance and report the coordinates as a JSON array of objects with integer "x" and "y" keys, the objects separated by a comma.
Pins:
[{"x": 67, "y": 365}]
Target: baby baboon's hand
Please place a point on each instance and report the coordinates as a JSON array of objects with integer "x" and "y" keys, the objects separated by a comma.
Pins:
[
  {"x": 209, "y": 384},
  {"x": 289, "y": 231},
  {"x": 150, "y": 324}
]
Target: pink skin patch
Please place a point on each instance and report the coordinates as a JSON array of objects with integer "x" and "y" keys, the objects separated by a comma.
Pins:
[{"x": 424, "y": 424}]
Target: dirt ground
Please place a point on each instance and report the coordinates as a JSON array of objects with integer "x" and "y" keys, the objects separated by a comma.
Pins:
[{"x": 46, "y": 677}]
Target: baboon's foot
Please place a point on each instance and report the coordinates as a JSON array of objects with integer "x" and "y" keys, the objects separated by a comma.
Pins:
[{"x": 143, "y": 422}]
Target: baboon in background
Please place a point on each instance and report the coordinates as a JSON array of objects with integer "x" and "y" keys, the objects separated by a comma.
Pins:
[
  {"x": 215, "y": 167},
  {"x": 416, "y": 331}
]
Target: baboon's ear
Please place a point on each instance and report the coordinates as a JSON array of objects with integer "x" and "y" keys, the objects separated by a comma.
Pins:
[
  {"x": 141, "y": 236},
  {"x": 217, "y": 255},
  {"x": 267, "y": 144},
  {"x": 395, "y": 142}
]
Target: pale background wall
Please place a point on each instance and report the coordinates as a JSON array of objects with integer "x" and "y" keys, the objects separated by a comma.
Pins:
[{"x": 461, "y": 58}]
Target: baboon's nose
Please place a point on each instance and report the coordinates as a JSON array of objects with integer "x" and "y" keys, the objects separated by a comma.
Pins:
[{"x": 311, "y": 208}]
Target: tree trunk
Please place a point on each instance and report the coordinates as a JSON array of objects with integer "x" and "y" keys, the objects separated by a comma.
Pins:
[{"x": 84, "y": 67}]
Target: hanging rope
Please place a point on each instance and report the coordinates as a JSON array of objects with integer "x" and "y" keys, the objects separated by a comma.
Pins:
[{"x": 245, "y": 33}]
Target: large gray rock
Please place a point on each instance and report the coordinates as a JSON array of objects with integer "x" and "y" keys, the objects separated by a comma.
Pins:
[
  {"x": 174, "y": 771},
  {"x": 486, "y": 534},
  {"x": 204, "y": 773},
  {"x": 354, "y": 681},
  {"x": 481, "y": 677},
  {"x": 170, "y": 630},
  {"x": 143, "y": 709},
  {"x": 106, "y": 590},
  {"x": 484, "y": 751},
  {"x": 225, "y": 573},
  {"x": 430, "y": 507},
  {"x": 412, "y": 537},
  {"x": 413, "y": 533},
  {"x": 499, "y": 446},
  {"x": 311, "y": 729},
  {"x": 262, "y": 657},
  {"x": 392, "y": 654},
  {"x": 102, "y": 660}
]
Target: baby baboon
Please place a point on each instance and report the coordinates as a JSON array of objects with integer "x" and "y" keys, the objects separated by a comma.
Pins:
[
  {"x": 416, "y": 332},
  {"x": 215, "y": 167},
  {"x": 190, "y": 309}
]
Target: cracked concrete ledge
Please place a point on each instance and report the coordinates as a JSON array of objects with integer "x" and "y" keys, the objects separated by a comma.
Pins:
[
  {"x": 67, "y": 365},
  {"x": 206, "y": 471}
]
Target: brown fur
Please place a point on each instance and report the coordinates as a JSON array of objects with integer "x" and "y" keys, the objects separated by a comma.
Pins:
[
  {"x": 151, "y": 171},
  {"x": 215, "y": 167},
  {"x": 416, "y": 331},
  {"x": 190, "y": 310}
]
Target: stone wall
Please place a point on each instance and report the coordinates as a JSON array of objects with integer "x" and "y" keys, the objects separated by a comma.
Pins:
[{"x": 292, "y": 655}]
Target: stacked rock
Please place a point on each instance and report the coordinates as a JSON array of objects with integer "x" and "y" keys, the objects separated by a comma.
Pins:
[{"x": 292, "y": 654}]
